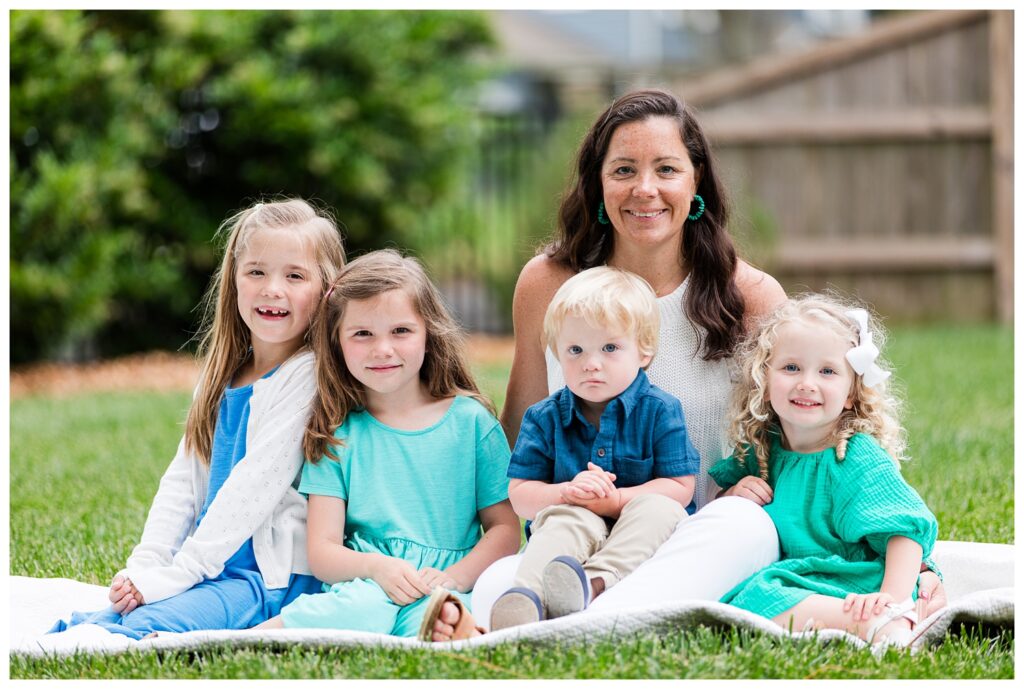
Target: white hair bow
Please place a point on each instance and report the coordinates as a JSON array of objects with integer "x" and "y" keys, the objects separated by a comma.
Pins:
[{"x": 862, "y": 357}]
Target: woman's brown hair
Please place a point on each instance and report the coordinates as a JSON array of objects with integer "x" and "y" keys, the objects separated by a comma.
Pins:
[
  {"x": 445, "y": 370},
  {"x": 712, "y": 301}
]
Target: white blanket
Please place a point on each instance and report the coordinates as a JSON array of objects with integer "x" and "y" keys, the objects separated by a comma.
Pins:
[{"x": 979, "y": 580}]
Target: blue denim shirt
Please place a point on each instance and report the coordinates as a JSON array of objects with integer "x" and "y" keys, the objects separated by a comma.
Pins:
[{"x": 642, "y": 437}]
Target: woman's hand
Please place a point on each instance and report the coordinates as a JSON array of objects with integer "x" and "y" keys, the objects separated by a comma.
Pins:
[
  {"x": 123, "y": 595},
  {"x": 931, "y": 594},
  {"x": 863, "y": 606},
  {"x": 752, "y": 488},
  {"x": 399, "y": 579}
]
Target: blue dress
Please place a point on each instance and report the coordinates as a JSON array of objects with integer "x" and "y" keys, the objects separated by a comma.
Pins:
[{"x": 237, "y": 598}]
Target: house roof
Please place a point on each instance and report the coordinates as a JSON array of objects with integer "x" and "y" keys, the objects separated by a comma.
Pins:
[{"x": 527, "y": 40}]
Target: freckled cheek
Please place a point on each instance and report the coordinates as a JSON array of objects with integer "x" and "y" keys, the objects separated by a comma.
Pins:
[{"x": 352, "y": 353}]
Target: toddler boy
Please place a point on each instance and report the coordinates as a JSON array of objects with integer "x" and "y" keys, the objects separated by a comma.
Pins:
[{"x": 603, "y": 467}]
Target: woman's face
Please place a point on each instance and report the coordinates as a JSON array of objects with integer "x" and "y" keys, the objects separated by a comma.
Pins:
[{"x": 648, "y": 182}]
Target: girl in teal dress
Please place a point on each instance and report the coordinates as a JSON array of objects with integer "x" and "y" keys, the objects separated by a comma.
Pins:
[
  {"x": 405, "y": 459},
  {"x": 818, "y": 444}
]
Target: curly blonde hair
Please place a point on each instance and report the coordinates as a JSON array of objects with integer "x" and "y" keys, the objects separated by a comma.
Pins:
[{"x": 875, "y": 411}]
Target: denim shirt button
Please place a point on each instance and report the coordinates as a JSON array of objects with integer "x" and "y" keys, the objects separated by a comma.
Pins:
[{"x": 600, "y": 452}]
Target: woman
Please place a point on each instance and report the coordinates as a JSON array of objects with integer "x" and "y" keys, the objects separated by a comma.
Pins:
[{"x": 647, "y": 199}]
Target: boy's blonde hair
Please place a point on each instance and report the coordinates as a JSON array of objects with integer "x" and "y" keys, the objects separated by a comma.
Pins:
[
  {"x": 445, "y": 370},
  {"x": 224, "y": 338},
  {"x": 609, "y": 298},
  {"x": 875, "y": 410}
]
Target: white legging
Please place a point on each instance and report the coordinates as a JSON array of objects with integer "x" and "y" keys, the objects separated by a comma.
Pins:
[{"x": 710, "y": 552}]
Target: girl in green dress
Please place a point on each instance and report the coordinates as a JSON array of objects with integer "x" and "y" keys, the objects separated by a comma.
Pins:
[
  {"x": 406, "y": 463},
  {"x": 818, "y": 444}
]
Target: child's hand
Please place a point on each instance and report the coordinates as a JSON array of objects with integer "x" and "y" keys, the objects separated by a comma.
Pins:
[
  {"x": 595, "y": 490},
  {"x": 752, "y": 488},
  {"x": 435, "y": 577},
  {"x": 400, "y": 580},
  {"x": 123, "y": 595},
  {"x": 931, "y": 594},
  {"x": 595, "y": 482},
  {"x": 572, "y": 493},
  {"x": 863, "y": 605},
  {"x": 608, "y": 506}
]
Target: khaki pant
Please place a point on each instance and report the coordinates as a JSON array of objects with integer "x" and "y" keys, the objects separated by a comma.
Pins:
[{"x": 644, "y": 524}]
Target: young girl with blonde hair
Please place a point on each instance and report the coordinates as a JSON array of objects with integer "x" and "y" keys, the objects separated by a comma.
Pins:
[
  {"x": 224, "y": 545},
  {"x": 818, "y": 444},
  {"x": 405, "y": 459}
]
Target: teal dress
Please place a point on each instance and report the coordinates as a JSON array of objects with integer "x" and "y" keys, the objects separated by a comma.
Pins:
[
  {"x": 413, "y": 495},
  {"x": 834, "y": 520}
]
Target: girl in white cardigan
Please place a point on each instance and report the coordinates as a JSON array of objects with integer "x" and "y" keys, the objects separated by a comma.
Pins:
[{"x": 224, "y": 546}]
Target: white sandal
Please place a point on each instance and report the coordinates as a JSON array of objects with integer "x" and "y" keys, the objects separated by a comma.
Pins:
[
  {"x": 919, "y": 629},
  {"x": 899, "y": 638}
]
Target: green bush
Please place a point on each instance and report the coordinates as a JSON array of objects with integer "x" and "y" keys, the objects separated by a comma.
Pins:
[{"x": 134, "y": 133}]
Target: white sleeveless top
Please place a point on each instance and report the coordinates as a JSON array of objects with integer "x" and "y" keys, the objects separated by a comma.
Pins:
[{"x": 703, "y": 387}]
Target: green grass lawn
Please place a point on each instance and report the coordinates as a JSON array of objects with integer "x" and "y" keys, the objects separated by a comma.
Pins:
[{"x": 83, "y": 470}]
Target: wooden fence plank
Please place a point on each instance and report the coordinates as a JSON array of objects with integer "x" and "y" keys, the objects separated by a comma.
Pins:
[
  {"x": 884, "y": 255},
  {"x": 1001, "y": 56},
  {"x": 918, "y": 124},
  {"x": 772, "y": 72}
]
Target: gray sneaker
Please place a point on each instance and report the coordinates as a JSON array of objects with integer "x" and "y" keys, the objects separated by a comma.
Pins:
[
  {"x": 566, "y": 589},
  {"x": 515, "y": 607}
]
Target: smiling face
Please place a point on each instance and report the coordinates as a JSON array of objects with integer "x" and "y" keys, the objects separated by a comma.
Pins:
[
  {"x": 383, "y": 340},
  {"x": 277, "y": 286},
  {"x": 598, "y": 363},
  {"x": 648, "y": 182},
  {"x": 810, "y": 383}
]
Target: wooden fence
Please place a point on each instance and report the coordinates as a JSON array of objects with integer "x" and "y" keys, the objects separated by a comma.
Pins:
[{"x": 881, "y": 164}]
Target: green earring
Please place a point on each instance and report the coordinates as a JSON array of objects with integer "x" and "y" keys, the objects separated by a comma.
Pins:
[
  {"x": 700, "y": 211},
  {"x": 601, "y": 218}
]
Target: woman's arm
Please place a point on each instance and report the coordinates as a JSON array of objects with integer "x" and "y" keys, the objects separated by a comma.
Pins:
[
  {"x": 501, "y": 538},
  {"x": 527, "y": 383},
  {"x": 762, "y": 293}
]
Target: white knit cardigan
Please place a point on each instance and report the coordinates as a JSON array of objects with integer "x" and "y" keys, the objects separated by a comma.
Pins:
[{"x": 259, "y": 498}]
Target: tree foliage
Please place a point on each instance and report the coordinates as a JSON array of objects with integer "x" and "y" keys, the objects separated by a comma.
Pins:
[{"x": 134, "y": 133}]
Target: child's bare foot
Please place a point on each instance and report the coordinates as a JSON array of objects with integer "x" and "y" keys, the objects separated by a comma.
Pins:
[{"x": 444, "y": 627}]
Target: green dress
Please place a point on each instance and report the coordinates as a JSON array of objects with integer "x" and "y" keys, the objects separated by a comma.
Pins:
[
  {"x": 412, "y": 495},
  {"x": 834, "y": 520}
]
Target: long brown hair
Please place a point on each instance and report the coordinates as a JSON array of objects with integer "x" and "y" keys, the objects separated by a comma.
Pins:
[
  {"x": 713, "y": 301},
  {"x": 224, "y": 338},
  {"x": 445, "y": 370}
]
